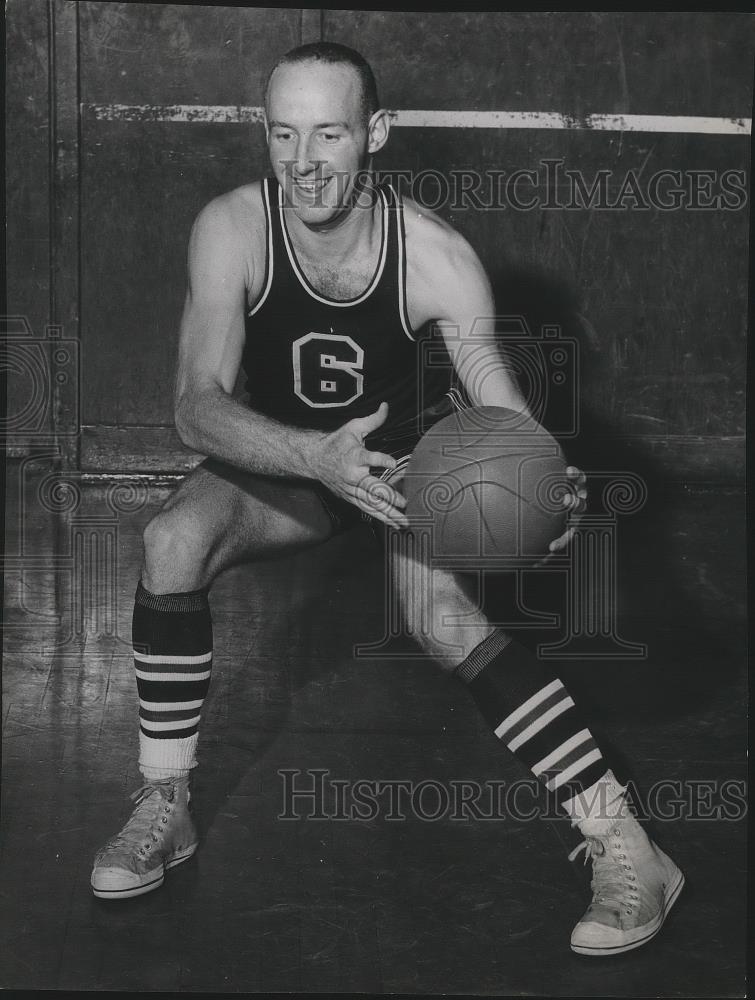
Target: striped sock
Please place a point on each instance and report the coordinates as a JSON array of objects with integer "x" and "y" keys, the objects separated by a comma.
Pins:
[
  {"x": 530, "y": 710},
  {"x": 172, "y": 635}
]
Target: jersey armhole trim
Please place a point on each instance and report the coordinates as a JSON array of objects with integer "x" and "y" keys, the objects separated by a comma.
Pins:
[
  {"x": 268, "y": 251},
  {"x": 401, "y": 237}
]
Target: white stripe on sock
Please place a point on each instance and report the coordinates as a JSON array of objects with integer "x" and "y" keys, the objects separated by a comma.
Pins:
[
  {"x": 173, "y": 677},
  {"x": 162, "y": 658},
  {"x": 540, "y": 723},
  {"x": 560, "y": 752},
  {"x": 527, "y": 707},
  {"x": 576, "y": 767},
  {"x": 163, "y": 726},
  {"x": 171, "y": 706}
]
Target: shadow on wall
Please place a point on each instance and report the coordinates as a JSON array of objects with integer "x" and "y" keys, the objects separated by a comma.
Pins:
[{"x": 657, "y": 605}]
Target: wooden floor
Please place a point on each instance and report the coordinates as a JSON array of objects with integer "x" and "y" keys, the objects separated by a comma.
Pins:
[{"x": 383, "y": 906}]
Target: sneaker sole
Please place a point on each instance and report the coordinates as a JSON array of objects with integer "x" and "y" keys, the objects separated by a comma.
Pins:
[
  {"x": 139, "y": 890},
  {"x": 670, "y": 897}
]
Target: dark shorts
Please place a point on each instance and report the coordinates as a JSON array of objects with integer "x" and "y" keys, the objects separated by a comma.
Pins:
[{"x": 343, "y": 515}]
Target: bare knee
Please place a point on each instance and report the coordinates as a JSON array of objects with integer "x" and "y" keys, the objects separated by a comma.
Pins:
[
  {"x": 441, "y": 615},
  {"x": 455, "y": 627},
  {"x": 177, "y": 550}
]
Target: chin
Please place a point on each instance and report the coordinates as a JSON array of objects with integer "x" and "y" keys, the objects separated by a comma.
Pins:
[{"x": 314, "y": 214}]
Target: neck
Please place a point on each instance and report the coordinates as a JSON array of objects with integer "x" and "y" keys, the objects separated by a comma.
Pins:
[{"x": 342, "y": 233}]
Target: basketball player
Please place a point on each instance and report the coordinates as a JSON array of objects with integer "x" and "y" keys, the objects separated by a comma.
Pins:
[{"x": 321, "y": 285}]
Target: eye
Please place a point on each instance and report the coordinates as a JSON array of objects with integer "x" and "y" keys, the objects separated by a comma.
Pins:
[
  {"x": 281, "y": 136},
  {"x": 330, "y": 137}
]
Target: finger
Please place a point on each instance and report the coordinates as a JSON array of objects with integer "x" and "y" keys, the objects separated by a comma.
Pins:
[
  {"x": 377, "y": 459},
  {"x": 365, "y": 425},
  {"x": 378, "y": 500},
  {"x": 574, "y": 499},
  {"x": 388, "y": 515},
  {"x": 562, "y": 541},
  {"x": 388, "y": 519},
  {"x": 544, "y": 561},
  {"x": 363, "y": 500},
  {"x": 574, "y": 473},
  {"x": 382, "y": 492}
]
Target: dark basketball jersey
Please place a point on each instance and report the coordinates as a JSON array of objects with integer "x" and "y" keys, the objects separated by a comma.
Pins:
[{"x": 316, "y": 362}]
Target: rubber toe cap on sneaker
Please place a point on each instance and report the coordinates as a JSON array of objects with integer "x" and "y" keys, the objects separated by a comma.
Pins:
[
  {"x": 118, "y": 879},
  {"x": 590, "y": 934}
]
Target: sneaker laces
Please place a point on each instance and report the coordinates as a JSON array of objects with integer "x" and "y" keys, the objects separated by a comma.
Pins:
[
  {"x": 612, "y": 879},
  {"x": 141, "y": 826}
]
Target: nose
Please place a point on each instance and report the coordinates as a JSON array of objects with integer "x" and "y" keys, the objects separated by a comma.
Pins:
[{"x": 303, "y": 165}]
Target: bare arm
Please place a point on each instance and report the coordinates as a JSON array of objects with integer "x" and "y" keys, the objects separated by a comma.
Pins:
[
  {"x": 208, "y": 419},
  {"x": 464, "y": 308}
]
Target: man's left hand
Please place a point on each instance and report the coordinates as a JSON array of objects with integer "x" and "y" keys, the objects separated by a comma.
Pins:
[{"x": 575, "y": 501}]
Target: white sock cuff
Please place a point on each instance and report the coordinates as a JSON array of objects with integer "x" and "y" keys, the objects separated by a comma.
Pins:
[
  {"x": 167, "y": 756},
  {"x": 602, "y": 801}
]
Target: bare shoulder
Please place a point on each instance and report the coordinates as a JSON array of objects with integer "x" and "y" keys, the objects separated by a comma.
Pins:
[
  {"x": 439, "y": 260},
  {"x": 229, "y": 238},
  {"x": 237, "y": 215},
  {"x": 432, "y": 242}
]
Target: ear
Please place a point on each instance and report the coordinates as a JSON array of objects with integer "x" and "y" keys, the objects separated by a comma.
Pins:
[{"x": 377, "y": 130}]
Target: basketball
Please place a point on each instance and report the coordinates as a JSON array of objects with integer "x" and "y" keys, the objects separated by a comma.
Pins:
[{"x": 489, "y": 484}]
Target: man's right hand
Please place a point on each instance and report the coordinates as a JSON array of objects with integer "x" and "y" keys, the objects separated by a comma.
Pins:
[{"x": 342, "y": 463}]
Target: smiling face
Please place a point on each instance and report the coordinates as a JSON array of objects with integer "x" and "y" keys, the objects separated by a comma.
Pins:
[{"x": 318, "y": 139}]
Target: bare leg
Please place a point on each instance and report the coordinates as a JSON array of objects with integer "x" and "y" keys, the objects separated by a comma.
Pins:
[
  {"x": 220, "y": 516},
  {"x": 436, "y": 604}
]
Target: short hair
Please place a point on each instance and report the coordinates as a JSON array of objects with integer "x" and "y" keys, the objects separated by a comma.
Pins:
[{"x": 334, "y": 53}]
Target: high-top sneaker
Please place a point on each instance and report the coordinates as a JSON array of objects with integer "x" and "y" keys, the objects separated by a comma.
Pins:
[
  {"x": 634, "y": 885},
  {"x": 160, "y": 834}
]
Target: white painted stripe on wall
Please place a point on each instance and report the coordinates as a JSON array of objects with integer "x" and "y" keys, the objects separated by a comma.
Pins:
[
  {"x": 552, "y": 119},
  {"x": 191, "y": 113},
  {"x": 240, "y": 114}
]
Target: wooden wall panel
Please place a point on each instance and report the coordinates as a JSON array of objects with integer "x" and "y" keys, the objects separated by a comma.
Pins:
[
  {"x": 27, "y": 178},
  {"x": 657, "y": 298},
  {"x": 143, "y": 184},
  {"x": 576, "y": 62},
  {"x": 138, "y": 53}
]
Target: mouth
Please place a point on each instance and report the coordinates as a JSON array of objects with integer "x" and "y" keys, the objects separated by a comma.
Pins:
[{"x": 312, "y": 188}]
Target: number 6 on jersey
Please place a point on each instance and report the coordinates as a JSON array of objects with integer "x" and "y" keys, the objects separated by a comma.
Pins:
[{"x": 327, "y": 369}]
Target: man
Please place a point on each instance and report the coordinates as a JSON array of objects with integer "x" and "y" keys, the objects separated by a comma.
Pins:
[{"x": 322, "y": 285}]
